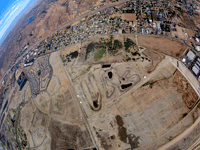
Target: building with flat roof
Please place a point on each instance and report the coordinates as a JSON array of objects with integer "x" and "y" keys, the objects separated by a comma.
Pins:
[
  {"x": 190, "y": 55},
  {"x": 29, "y": 62},
  {"x": 195, "y": 70},
  {"x": 22, "y": 80},
  {"x": 197, "y": 48},
  {"x": 158, "y": 28}
]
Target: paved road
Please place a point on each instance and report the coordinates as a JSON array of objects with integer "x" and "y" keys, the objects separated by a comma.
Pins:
[
  {"x": 83, "y": 16},
  {"x": 194, "y": 83},
  {"x": 187, "y": 74},
  {"x": 78, "y": 104},
  {"x": 133, "y": 34},
  {"x": 185, "y": 42},
  {"x": 67, "y": 24}
]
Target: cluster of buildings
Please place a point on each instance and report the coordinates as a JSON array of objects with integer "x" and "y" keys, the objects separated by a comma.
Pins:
[
  {"x": 135, "y": 16},
  {"x": 40, "y": 75},
  {"x": 98, "y": 24},
  {"x": 192, "y": 62},
  {"x": 162, "y": 17},
  {"x": 144, "y": 17},
  {"x": 147, "y": 18},
  {"x": 21, "y": 81},
  {"x": 118, "y": 19},
  {"x": 34, "y": 82},
  {"x": 29, "y": 62}
]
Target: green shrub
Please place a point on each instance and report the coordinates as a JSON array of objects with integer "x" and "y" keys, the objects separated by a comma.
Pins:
[{"x": 127, "y": 44}]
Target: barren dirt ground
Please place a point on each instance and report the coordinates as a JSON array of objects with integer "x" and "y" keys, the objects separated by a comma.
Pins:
[
  {"x": 141, "y": 101},
  {"x": 149, "y": 114},
  {"x": 167, "y": 46},
  {"x": 143, "y": 119}
]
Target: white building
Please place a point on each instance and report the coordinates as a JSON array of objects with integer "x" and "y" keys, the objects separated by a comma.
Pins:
[
  {"x": 197, "y": 48},
  {"x": 195, "y": 70},
  {"x": 197, "y": 39},
  {"x": 191, "y": 55}
]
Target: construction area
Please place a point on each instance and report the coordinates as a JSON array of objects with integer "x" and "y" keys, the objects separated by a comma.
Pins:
[
  {"x": 129, "y": 108},
  {"x": 112, "y": 92},
  {"x": 134, "y": 103}
]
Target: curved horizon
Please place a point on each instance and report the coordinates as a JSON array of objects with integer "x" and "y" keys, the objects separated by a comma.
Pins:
[{"x": 10, "y": 14}]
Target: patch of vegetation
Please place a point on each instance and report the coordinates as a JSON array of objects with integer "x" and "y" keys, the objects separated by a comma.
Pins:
[
  {"x": 69, "y": 57},
  {"x": 44, "y": 11},
  {"x": 186, "y": 22},
  {"x": 39, "y": 72},
  {"x": 111, "y": 38},
  {"x": 68, "y": 27},
  {"x": 99, "y": 54},
  {"x": 165, "y": 27},
  {"x": 73, "y": 55},
  {"x": 177, "y": 54},
  {"x": 16, "y": 133},
  {"x": 136, "y": 53},
  {"x": 24, "y": 143},
  {"x": 128, "y": 59},
  {"x": 127, "y": 44},
  {"x": 113, "y": 45},
  {"x": 48, "y": 46},
  {"x": 123, "y": 31},
  {"x": 63, "y": 60},
  {"x": 117, "y": 44},
  {"x": 133, "y": 140},
  {"x": 185, "y": 114},
  {"x": 88, "y": 68},
  {"x": 65, "y": 43},
  {"x": 90, "y": 48},
  {"x": 67, "y": 136},
  {"x": 150, "y": 83},
  {"x": 109, "y": 45}
]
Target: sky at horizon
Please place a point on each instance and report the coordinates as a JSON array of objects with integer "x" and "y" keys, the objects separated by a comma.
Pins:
[{"x": 9, "y": 10}]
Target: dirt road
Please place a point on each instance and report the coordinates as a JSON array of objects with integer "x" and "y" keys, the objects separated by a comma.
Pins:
[{"x": 67, "y": 24}]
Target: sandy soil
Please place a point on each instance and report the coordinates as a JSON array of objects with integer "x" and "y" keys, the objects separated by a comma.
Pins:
[
  {"x": 49, "y": 18},
  {"x": 45, "y": 116},
  {"x": 129, "y": 16},
  {"x": 167, "y": 46},
  {"x": 142, "y": 116}
]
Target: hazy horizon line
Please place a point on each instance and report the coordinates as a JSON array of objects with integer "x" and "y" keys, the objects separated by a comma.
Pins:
[{"x": 11, "y": 16}]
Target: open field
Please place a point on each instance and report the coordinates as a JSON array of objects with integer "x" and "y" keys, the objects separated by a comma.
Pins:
[
  {"x": 108, "y": 49},
  {"x": 187, "y": 22},
  {"x": 129, "y": 16},
  {"x": 183, "y": 33},
  {"x": 197, "y": 19},
  {"x": 125, "y": 16},
  {"x": 123, "y": 106},
  {"x": 138, "y": 117},
  {"x": 167, "y": 46},
  {"x": 53, "y": 116},
  {"x": 99, "y": 74},
  {"x": 66, "y": 136},
  {"x": 48, "y": 16},
  {"x": 132, "y": 104},
  {"x": 102, "y": 49}
]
